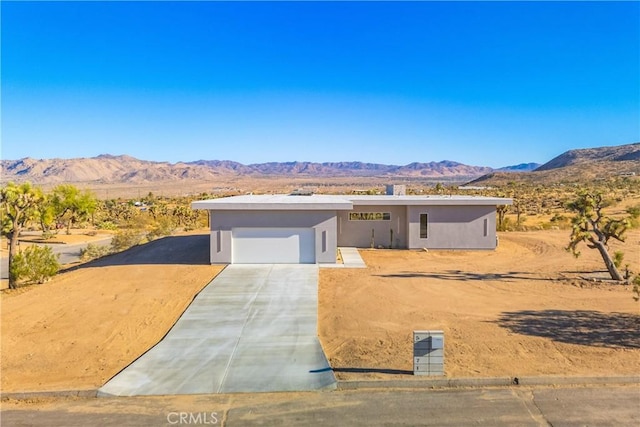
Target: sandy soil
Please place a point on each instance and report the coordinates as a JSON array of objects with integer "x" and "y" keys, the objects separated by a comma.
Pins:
[
  {"x": 85, "y": 325},
  {"x": 519, "y": 311}
]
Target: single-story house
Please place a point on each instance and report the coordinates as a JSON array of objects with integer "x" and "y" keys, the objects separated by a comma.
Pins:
[{"x": 308, "y": 228}]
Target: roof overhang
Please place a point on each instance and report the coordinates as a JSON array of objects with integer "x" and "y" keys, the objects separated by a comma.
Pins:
[
  {"x": 429, "y": 200},
  {"x": 276, "y": 202},
  {"x": 280, "y": 202}
]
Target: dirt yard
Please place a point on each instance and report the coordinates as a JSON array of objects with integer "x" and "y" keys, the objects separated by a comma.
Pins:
[
  {"x": 83, "y": 327},
  {"x": 518, "y": 311}
]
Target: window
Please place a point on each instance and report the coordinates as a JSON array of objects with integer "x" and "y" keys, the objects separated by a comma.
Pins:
[
  {"x": 486, "y": 227},
  {"x": 369, "y": 216},
  {"x": 424, "y": 222}
]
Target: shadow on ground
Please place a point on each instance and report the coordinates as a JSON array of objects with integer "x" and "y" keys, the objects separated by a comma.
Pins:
[
  {"x": 373, "y": 370},
  {"x": 592, "y": 328},
  {"x": 458, "y": 275},
  {"x": 185, "y": 250},
  {"x": 585, "y": 272}
]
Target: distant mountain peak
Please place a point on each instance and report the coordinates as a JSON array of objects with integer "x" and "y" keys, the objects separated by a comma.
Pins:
[
  {"x": 579, "y": 165},
  {"x": 585, "y": 155}
]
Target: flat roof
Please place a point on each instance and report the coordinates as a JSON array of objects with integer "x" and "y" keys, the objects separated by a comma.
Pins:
[
  {"x": 282, "y": 202},
  {"x": 428, "y": 200},
  {"x": 339, "y": 202}
]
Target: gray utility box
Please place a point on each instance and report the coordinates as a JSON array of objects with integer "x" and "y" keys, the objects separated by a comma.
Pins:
[{"x": 428, "y": 353}]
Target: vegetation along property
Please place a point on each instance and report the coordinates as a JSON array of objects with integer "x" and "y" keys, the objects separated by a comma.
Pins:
[{"x": 131, "y": 222}]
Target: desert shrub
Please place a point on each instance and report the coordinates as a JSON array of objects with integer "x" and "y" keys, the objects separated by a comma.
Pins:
[
  {"x": 519, "y": 225},
  {"x": 164, "y": 226},
  {"x": 202, "y": 219},
  {"x": 184, "y": 216},
  {"x": 107, "y": 225},
  {"x": 36, "y": 264},
  {"x": 634, "y": 211},
  {"x": 636, "y": 288},
  {"x": 138, "y": 222},
  {"x": 618, "y": 257},
  {"x": 506, "y": 225},
  {"x": 124, "y": 239},
  {"x": 559, "y": 221},
  {"x": 634, "y": 216},
  {"x": 93, "y": 251}
]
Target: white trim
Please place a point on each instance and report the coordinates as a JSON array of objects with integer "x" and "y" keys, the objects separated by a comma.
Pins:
[{"x": 336, "y": 203}]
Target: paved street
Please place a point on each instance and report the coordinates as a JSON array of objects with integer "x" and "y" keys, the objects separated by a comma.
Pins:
[{"x": 515, "y": 406}]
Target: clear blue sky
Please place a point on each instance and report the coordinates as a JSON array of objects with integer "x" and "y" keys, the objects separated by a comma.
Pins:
[{"x": 495, "y": 83}]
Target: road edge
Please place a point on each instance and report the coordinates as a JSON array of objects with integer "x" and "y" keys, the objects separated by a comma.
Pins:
[{"x": 434, "y": 383}]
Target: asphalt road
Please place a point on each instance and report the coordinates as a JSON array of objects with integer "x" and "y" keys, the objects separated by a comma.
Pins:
[
  {"x": 513, "y": 406},
  {"x": 69, "y": 253}
]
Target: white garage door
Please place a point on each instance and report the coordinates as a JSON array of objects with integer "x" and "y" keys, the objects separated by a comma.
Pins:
[{"x": 273, "y": 245}]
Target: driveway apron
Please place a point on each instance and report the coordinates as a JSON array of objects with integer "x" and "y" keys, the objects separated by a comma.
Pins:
[{"x": 252, "y": 329}]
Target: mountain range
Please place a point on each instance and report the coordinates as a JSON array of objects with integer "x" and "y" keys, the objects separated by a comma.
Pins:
[
  {"x": 579, "y": 164},
  {"x": 108, "y": 168}
]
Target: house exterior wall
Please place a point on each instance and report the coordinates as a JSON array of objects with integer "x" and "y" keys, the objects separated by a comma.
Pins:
[
  {"x": 323, "y": 222},
  {"x": 358, "y": 233},
  {"x": 453, "y": 227}
]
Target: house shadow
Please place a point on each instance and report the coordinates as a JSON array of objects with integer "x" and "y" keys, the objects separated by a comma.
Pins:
[
  {"x": 591, "y": 328},
  {"x": 171, "y": 250},
  {"x": 458, "y": 275}
]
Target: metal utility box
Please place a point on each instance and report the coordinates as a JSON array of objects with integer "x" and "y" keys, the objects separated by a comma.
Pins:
[{"x": 428, "y": 353}]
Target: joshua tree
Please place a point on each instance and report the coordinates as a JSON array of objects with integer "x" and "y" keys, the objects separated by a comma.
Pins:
[
  {"x": 19, "y": 204},
  {"x": 72, "y": 205},
  {"x": 46, "y": 215},
  {"x": 591, "y": 226}
]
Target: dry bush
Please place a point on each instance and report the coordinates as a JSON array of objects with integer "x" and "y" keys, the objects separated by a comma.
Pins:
[
  {"x": 36, "y": 264},
  {"x": 124, "y": 239},
  {"x": 93, "y": 251}
]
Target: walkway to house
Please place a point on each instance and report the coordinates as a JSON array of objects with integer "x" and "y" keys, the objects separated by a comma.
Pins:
[
  {"x": 252, "y": 329},
  {"x": 351, "y": 258}
]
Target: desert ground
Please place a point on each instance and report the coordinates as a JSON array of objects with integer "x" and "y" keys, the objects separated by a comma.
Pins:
[
  {"x": 85, "y": 325},
  {"x": 522, "y": 310},
  {"x": 528, "y": 308},
  {"x": 255, "y": 184}
]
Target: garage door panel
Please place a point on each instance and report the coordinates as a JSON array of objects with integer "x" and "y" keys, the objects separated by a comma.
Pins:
[{"x": 277, "y": 245}]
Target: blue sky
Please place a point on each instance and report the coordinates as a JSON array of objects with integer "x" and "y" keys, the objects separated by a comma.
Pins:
[{"x": 482, "y": 83}]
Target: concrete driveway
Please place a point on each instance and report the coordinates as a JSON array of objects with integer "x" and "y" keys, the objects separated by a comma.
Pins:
[{"x": 252, "y": 329}]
